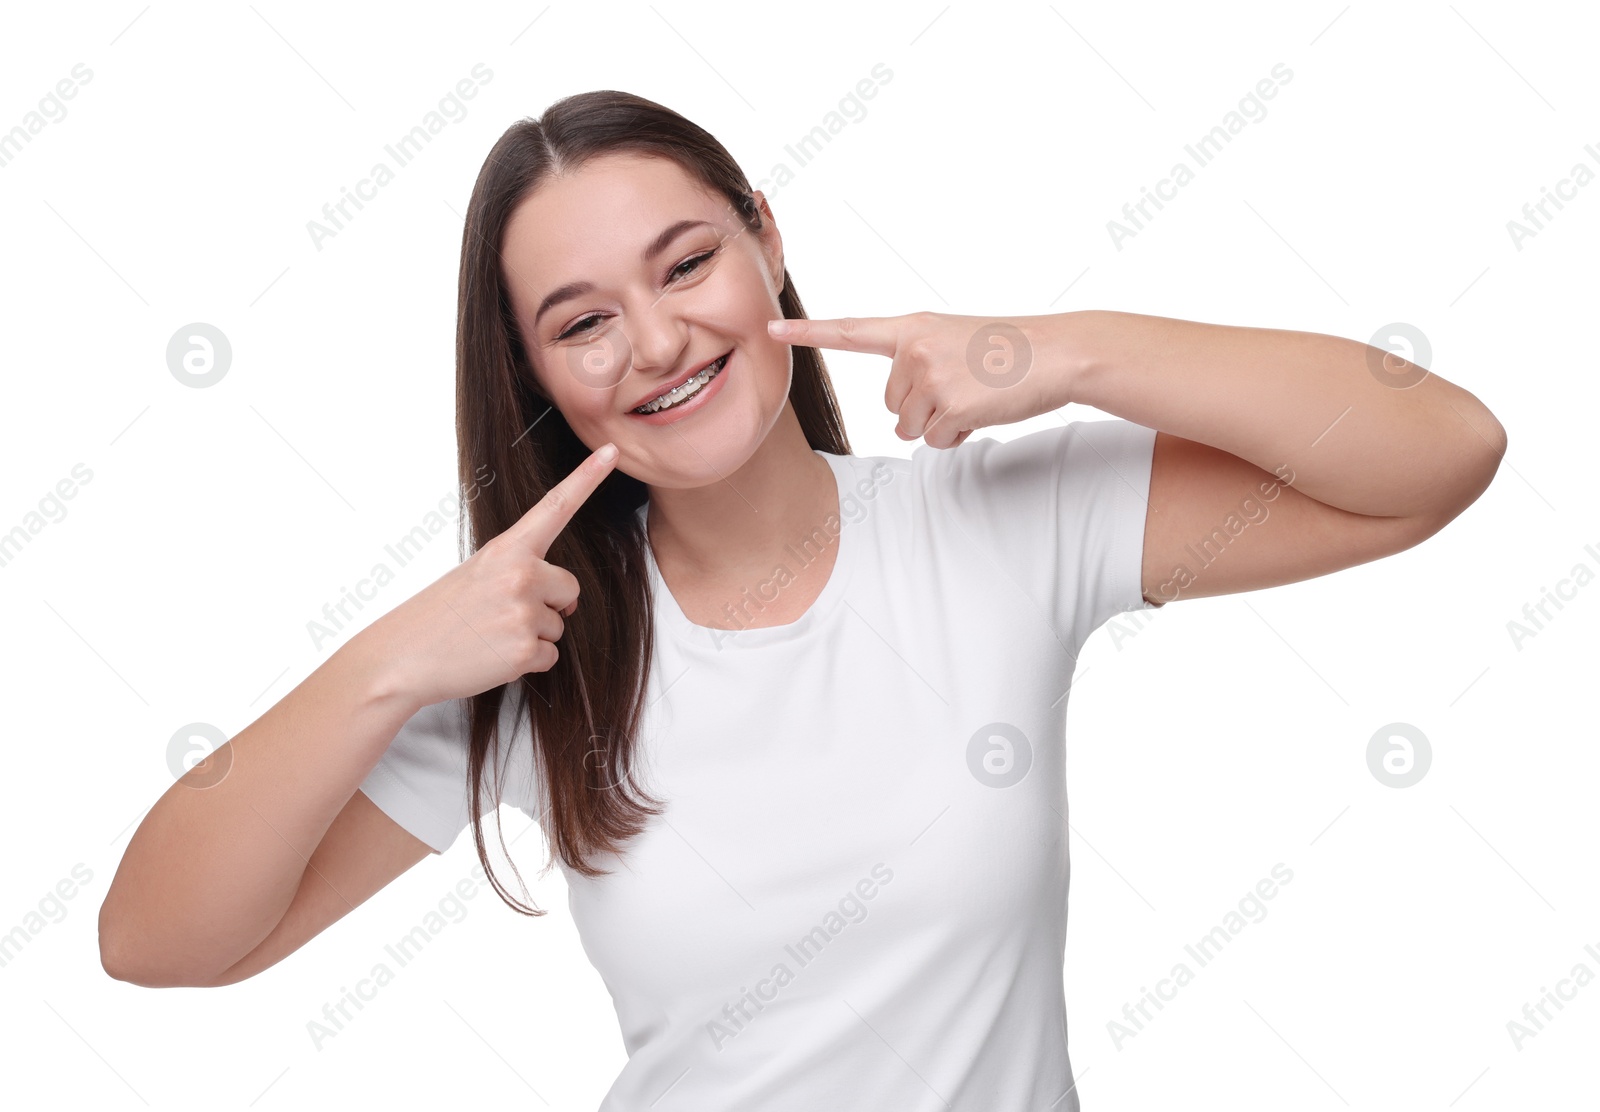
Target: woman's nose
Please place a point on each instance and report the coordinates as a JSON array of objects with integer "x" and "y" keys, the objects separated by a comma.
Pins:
[{"x": 656, "y": 336}]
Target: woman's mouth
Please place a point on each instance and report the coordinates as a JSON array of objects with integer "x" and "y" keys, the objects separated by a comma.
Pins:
[{"x": 686, "y": 398}]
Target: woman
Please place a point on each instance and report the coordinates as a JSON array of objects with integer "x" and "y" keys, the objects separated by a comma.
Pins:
[{"x": 800, "y": 750}]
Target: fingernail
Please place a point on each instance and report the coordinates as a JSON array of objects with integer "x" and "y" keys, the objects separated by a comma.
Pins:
[{"x": 777, "y": 328}]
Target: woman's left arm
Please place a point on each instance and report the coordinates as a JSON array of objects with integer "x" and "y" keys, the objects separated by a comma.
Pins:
[
  {"x": 1359, "y": 453},
  {"x": 1279, "y": 455}
]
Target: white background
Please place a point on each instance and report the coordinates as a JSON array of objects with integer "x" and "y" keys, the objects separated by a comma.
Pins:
[{"x": 1221, "y": 737}]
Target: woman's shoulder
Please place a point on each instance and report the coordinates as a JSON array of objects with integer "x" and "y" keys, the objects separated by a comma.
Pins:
[{"x": 988, "y": 472}]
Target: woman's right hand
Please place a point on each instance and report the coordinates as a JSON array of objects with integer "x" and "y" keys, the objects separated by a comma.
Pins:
[{"x": 495, "y": 616}]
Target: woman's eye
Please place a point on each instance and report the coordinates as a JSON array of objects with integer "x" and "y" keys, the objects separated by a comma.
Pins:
[
  {"x": 576, "y": 326},
  {"x": 697, "y": 260}
]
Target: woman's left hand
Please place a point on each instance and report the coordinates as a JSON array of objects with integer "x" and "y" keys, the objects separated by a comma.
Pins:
[{"x": 951, "y": 375}]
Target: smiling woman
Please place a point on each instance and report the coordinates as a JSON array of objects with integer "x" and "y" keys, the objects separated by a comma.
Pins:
[{"x": 618, "y": 277}]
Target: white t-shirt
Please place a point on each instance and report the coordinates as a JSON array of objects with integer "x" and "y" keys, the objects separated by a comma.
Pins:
[{"x": 857, "y": 896}]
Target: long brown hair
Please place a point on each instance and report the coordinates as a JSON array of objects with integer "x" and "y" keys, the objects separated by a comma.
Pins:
[{"x": 586, "y": 710}]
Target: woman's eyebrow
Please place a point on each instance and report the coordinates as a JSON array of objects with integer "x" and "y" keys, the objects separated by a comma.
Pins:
[{"x": 652, "y": 249}]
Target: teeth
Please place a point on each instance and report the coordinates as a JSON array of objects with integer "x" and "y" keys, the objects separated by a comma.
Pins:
[{"x": 672, "y": 397}]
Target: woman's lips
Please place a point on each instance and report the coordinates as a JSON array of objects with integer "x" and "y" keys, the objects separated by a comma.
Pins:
[
  {"x": 706, "y": 393},
  {"x": 677, "y": 383}
]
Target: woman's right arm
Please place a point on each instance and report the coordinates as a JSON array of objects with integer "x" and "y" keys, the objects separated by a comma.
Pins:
[
  {"x": 221, "y": 881},
  {"x": 211, "y": 871}
]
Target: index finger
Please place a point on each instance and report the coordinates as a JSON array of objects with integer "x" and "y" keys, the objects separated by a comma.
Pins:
[
  {"x": 540, "y": 526},
  {"x": 877, "y": 335}
]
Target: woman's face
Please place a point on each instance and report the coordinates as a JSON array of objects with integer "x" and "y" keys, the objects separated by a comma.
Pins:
[{"x": 608, "y": 329}]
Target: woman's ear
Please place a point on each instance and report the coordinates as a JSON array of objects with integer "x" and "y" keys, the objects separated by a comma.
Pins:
[{"x": 771, "y": 241}]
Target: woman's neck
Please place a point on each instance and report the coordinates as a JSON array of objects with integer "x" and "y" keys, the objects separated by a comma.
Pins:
[{"x": 713, "y": 542}]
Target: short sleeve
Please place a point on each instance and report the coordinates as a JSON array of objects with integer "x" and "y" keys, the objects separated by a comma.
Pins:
[
  {"x": 421, "y": 780},
  {"x": 1062, "y": 512}
]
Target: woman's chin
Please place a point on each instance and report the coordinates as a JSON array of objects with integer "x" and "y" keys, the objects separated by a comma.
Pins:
[{"x": 697, "y": 454}]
